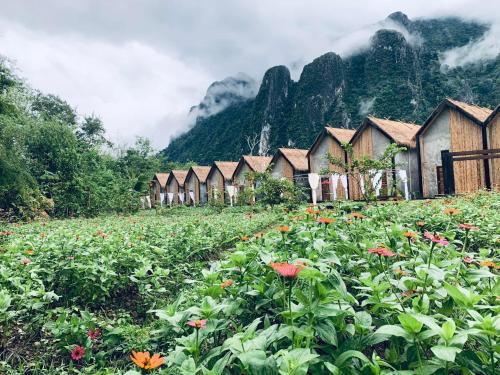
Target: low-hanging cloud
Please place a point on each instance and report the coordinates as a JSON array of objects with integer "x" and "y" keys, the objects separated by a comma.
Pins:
[{"x": 482, "y": 50}]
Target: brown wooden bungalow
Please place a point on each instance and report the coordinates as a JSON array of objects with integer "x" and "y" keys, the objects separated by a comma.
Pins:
[
  {"x": 453, "y": 126},
  {"x": 196, "y": 182},
  {"x": 175, "y": 185},
  {"x": 372, "y": 138},
  {"x": 329, "y": 141},
  {"x": 247, "y": 164},
  {"x": 290, "y": 163},
  {"x": 492, "y": 124},
  {"x": 220, "y": 176},
  {"x": 157, "y": 188}
]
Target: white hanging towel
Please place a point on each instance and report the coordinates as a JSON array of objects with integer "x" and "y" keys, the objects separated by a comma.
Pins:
[
  {"x": 376, "y": 181},
  {"x": 313, "y": 179},
  {"x": 343, "y": 180},
  {"x": 148, "y": 201},
  {"x": 335, "y": 183},
  {"x": 191, "y": 195},
  {"x": 362, "y": 183},
  {"x": 162, "y": 198},
  {"x": 170, "y": 198},
  {"x": 403, "y": 176},
  {"x": 231, "y": 191},
  {"x": 181, "y": 197}
]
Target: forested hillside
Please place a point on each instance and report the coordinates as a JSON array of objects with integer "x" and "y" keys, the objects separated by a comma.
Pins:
[
  {"x": 52, "y": 160},
  {"x": 399, "y": 76}
]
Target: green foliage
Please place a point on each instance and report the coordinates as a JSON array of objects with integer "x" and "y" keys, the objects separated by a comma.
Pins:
[
  {"x": 272, "y": 191},
  {"x": 52, "y": 163}
]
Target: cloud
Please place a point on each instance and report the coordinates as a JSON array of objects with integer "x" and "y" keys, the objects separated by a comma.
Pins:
[
  {"x": 484, "y": 49},
  {"x": 366, "y": 105}
]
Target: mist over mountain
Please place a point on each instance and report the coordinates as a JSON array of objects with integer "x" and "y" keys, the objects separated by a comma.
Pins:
[{"x": 403, "y": 73}]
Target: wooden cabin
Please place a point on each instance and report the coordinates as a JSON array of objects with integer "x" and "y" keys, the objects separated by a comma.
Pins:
[
  {"x": 247, "y": 164},
  {"x": 453, "y": 126},
  {"x": 175, "y": 185},
  {"x": 329, "y": 141},
  {"x": 371, "y": 140},
  {"x": 290, "y": 163},
  {"x": 492, "y": 124},
  {"x": 196, "y": 182},
  {"x": 157, "y": 189},
  {"x": 220, "y": 176}
]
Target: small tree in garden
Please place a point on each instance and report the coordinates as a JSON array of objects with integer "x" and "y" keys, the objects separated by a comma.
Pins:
[
  {"x": 366, "y": 167},
  {"x": 273, "y": 191}
]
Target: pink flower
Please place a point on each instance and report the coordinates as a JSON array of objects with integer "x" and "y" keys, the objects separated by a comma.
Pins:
[
  {"x": 287, "y": 270},
  {"x": 382, "y": 251},
  {"x": 436, "y": 238},
  {"x": 94, "y": 335},
  {"x": 26, "y": 261},
  {"x": 77, "y": 353},
  {"x": 468, "y": 259},
  {"x": 199, "y": 323},
  {"x": 468, "y": 227}
]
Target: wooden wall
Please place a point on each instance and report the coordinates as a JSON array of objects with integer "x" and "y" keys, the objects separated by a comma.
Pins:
[
  {"x": 494, "y": 143},
  {"x": 466, "y": 136},
  {"x": 363, "y": 146}
]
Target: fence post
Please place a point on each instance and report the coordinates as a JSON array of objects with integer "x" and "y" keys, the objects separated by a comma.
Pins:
[{"x": 448, "y": 174}]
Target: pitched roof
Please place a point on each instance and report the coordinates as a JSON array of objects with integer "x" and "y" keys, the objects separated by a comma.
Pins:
[
  {"x": 200, "y": 171},
  {"x": 227, "y": 168},
  {"x": 342, "y": 135},
  {"x": 257, "y": 163},
  {"x": 478, "y": 113},
  {"x": 161, "y": 178},
  {"x": 296, "y": 157},
  {"x": 402, "y": 133},
  {"x": 179, "y": 175},
  {"x": 492, "y": 114}
]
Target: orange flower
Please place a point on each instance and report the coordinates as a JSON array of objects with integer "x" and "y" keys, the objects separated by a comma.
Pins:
[
  {"x": 451, "y": 211},
  {"x": 244, "y": 238},
  {"x": 287, "y": 270},
  {"x": 325, "y": 220},
  {"x": 401, "y": 272},
  {"x": 310, "y": 211},
  {"x": 489, "y": 264},
  {"x": 409, "y": 293},
  {"x": 357, "y": 215},
  {"x": 468, "y": 227},
  {"x": 420, "y": 224},
  {"x": 29, "y": 252},
  {"x": 198, "y": 323},
  {"x": 259, "y": 234},
  {"x": 226, "y": 283},
  {"x": 409, "y": 234},
  {"x": 284, "y": 229},
  {"x": 145, "y": 361}
]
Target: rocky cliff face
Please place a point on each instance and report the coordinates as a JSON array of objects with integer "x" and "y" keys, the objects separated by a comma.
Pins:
[{"x": 398, "y": 76}]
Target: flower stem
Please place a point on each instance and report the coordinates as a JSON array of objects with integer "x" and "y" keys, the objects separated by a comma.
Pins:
[
  {"x": 429, "y": 265},
  {"x": 290, "y": 311}
]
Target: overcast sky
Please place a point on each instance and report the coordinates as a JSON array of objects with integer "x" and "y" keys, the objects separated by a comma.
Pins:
[{"x": 141, "y": 64}]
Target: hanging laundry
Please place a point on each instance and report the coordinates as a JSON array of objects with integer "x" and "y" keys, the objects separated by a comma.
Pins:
[{"x": 313, "y": 179}]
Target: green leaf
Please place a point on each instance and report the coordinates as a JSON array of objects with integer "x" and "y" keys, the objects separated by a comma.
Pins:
[
  {"x": 392, "y": 330},
  {"x": 327, "y": 332},
  {"x": 449, "y": 329},
  {"x": 410, "y": 323},
  {"x": 344, "y": 357},
  {"x": 446, "y": 353}
]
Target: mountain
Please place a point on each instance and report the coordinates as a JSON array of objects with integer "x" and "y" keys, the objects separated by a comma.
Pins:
[{"x": 400, "y": 75}]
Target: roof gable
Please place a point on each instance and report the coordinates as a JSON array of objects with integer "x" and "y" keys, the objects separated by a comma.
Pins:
[
  {"x": 401, "y": 133},
  {"x": 201, "y": 173},
  {"x": 295, "y": 156},
  {"x": 226, "y": 168},
  {"x": 339, "y": 135},
  {"x": 178, "y": 175},
  {"x": 161, "y": 178}
]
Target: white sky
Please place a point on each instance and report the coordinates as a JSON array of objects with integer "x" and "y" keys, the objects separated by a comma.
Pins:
[{"x": 140, "y": 65}]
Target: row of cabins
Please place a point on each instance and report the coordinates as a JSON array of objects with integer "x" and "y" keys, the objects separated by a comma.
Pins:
[{"x": 453, "y": 126}]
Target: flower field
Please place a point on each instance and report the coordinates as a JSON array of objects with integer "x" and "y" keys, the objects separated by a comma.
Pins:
[{"x": 393, "y": 288}]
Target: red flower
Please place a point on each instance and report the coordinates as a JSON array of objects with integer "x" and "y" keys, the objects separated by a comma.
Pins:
[
  {"x": 468, "y": 227},
  {"x": 436, "y": 238},
  {"x": 287, "y": 270},
  {"x": 77, "y": 353},
  {"x": 94, "y": 335},
  {"x": 199, "y": 323},
  {"x": 382, "y": 251},
  {"x": 468, "y": 259},
  {"x": 244, "y": 238},
  {"x": 284, "y": 229},
  {"x": 325, "y": 220}
]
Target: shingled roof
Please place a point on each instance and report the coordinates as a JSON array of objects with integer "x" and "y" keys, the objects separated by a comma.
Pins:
[
  {"x": 179, "y": 175},
  {"x": 227, "y": 168},
  {"x": 161, "y": 178},
  {"x": 257, "y": 163},
  {"x": 200, "y": 171},
  {"x": 401, "y": 133},
  {"x": 341, "y": 135},
  {"x": 295, "y": 156}
]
